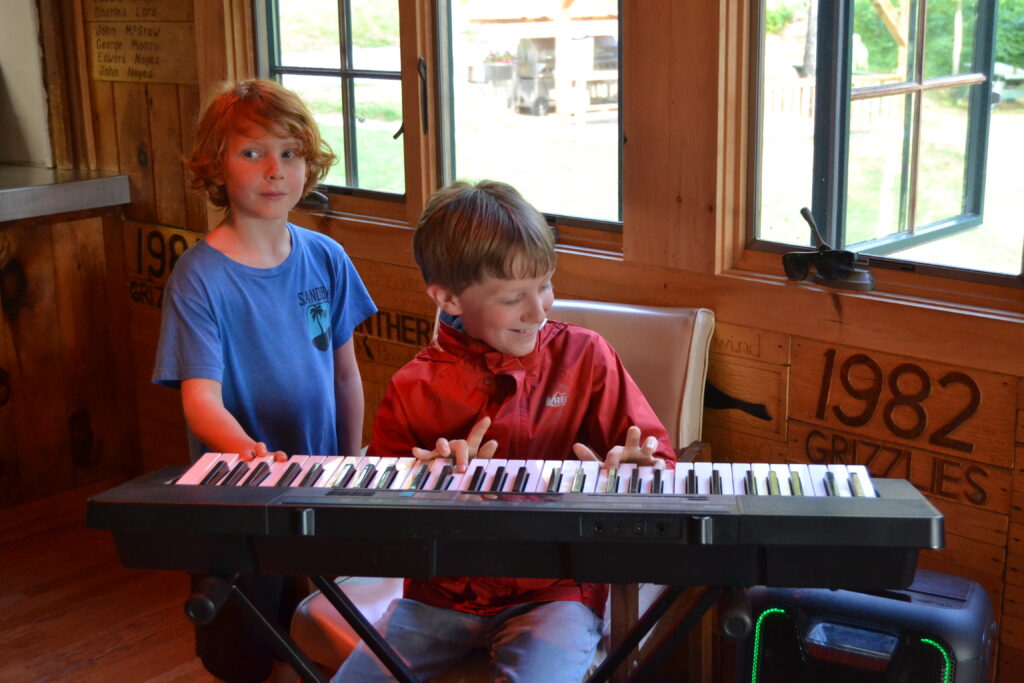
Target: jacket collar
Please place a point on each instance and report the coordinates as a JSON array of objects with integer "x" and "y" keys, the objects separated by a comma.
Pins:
[{"x": 451, "y": 340}]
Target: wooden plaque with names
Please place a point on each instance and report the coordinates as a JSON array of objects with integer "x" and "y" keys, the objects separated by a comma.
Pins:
[{"x": 141, "y": 41}]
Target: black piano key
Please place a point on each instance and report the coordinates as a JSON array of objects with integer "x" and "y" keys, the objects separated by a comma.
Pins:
[
  {"x": 289, "y": 475},
  {"x": 751, "y": 483},
  {"x": 366, "y": 476},
  {"x": 237, "y": 472},
  {"x": 499, "y": 479},
  {"x": 716, "y": 482},
  {"x": 343, "y": 477},
  {"x": 420, "y": 477},
  {"x": 556, "y": 480},
  {"x": 796, "y": 485},
  {"x": 522, "y": 479},
  {"x": 387, "y": 477},
  {"x": 613, "y": 481},
  {"x": 773, "y": 484},
  {"x": 214, "y": 475},
  {"x": 258, "y": 474},
  {"x": 444, "y": 480},
  {"x": 579, "y": 480},
  {"x": 691, "y": 482},
  {"x": 313, "y": 475},
  {"x": 634, "y": 481},
  {"x": 856, "y": 488},
  {"x": 476, "y": 482},
  {"x": 830, "y": 484},
  {"x": 657, "y": 485}
]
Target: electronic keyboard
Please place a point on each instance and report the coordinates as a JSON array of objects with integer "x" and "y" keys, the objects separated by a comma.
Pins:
[{"x": 716, "y": 524}]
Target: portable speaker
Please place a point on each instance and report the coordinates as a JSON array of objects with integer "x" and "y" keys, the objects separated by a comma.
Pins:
[{"x": 939, "y": 630}]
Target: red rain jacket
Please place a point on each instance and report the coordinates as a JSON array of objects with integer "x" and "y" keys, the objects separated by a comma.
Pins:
[{"x": 572, "y": 387}]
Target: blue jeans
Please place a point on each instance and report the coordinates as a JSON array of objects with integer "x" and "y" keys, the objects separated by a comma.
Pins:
[{"x": 541, "y": 642}]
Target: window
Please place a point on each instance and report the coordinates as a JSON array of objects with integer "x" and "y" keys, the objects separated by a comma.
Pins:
[
  {"x": 342, "y": 58},
  {"x": 887, "y": 118},
  {"x": 529, "y": 94},
  {"x": 533, "y": 100}
]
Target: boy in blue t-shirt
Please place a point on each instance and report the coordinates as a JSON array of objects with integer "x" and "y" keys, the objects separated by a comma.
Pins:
[{"x": 258, "y": 320}]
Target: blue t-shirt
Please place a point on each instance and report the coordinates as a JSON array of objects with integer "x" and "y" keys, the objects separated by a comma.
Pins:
[{"x": 267, "y": 335}]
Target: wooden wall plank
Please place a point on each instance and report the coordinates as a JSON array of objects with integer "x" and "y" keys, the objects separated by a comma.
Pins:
[
  {"x": 94, "y": 425},
  {"x": 964, "y": 413},
  {"x": 30, "y": 315},
  {"x": 134, "y": 150},
  {"x": 168, "y": 168},
  {"x": 953, "y": 479}
]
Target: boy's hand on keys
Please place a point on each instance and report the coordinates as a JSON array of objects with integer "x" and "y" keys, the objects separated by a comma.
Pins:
[
  {"x": 260, "y": 451},
  {"x": 463, "y": 450},
  {"x": 632, "y": 451}
]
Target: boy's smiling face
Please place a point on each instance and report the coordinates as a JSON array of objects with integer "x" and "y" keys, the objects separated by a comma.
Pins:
[{"x": 507, "y": 314}]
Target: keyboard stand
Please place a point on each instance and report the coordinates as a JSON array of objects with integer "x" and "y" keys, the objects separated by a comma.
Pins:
[{"x": 209, "y": 597}]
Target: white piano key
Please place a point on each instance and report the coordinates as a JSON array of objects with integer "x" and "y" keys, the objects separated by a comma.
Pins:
[
  {"x": 625, "y": 473},
  {"x": 842, "y": 479},
  {"x": 682, "y": 472},
  {"x": 328, "y": 467},
  {"x": 702, "y": 470},
  {"x": 739, "y": 476},
  {"x": 201, "y": 467},
  {"x": 805, "y": 478},
  {"x": 534, "y": 471},
  {"x": 647, "y": 479},
  {"x": 569, "y": 470},
  {"x": 350, "y": 463},
  {"x": 436, "y": 469},
  {"x": 724, "y": 470},
  {"x": 591, "y": 472},
  {"x": 760, "y": 470},
  {"x": 604, "y": 485},
  {"x": 494, "y": 465},
  {"x": 782, "y": 473},
  {"x": 817, "y": 474},
  {"x": 865, "y": 479},
  {"x": 382, "y": 466},
  {"x": 511, "y": 472},
  {"x": 551, "y": 468},
  {"x": 471, "y": 474},
  {"x": 277, "y": 469},
  {"x": 403, "y": 468}
]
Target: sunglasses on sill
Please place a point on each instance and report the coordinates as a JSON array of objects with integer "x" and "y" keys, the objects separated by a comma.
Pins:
[{"x": 831, "y": 264}]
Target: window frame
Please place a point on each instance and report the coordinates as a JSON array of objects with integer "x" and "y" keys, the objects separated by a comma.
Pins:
[{"x": 833, "y": 98}]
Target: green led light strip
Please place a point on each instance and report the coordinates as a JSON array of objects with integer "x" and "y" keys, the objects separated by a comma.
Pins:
[
  {"x": 948, "y": 670},
  {"x": 756, "y": 664}
]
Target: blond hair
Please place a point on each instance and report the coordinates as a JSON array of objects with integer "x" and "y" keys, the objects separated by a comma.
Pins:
[
  {"x": 471, "y": 231},
  {"x": 264, "y": 103}
]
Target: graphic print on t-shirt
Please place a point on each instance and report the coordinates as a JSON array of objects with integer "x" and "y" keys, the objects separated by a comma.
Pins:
[{"x": 318, "y": 322}]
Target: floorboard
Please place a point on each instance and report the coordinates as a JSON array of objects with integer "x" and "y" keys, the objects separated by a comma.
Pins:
[{"x": 70, "y": 611}]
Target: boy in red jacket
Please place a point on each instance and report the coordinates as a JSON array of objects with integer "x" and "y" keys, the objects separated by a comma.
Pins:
[{"x": 535, "y": 389}]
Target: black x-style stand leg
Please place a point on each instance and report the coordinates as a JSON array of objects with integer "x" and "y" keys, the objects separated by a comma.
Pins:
[{"x": 211, "y": 594}]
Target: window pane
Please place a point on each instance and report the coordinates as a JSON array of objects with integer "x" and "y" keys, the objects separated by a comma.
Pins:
[
  {"x": 535, "y": 101},
  {"x": 375, "y": 35},
  {"x": 309, "y": 33},
  {"x": 322, "y": 94},
  {"x": 879, "y": 138},
  {"x": 883, "y": 41},
  {"x": 997, "y": 244},
  {"x": 949, "y": 42},
  {"x": 940, "y": 179},
  {"x": 378, "y": 118},
  {"x": 787, "y": 133}
]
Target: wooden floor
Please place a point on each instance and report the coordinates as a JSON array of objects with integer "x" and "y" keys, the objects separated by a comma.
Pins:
[{"x": 69, "y": 611}]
